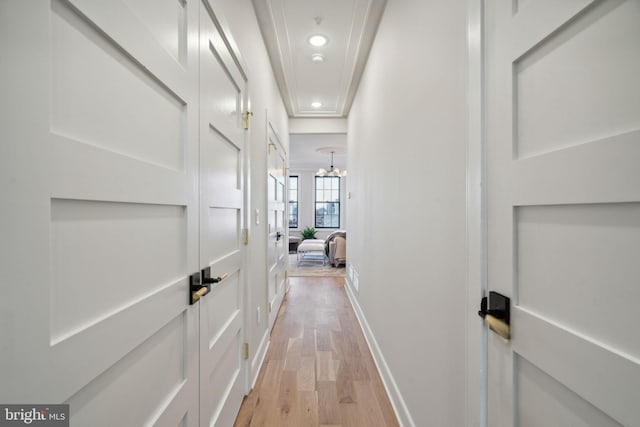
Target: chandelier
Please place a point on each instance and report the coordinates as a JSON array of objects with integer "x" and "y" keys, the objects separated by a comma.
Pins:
[{"x": 332, "y": 171}]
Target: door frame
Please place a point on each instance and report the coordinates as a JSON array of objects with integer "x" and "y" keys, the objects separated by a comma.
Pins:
[
  {"x": 246, "y": 230},
  {"x": 476, "y": 220}
]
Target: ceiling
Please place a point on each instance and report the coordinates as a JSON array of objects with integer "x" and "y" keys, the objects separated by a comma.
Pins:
[
  {"x": 349, "y": 26},
  {"x": 313, "y": 151}
]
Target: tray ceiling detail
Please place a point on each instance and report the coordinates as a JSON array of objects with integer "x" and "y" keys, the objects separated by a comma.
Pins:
[{"x": 318, "y": 81}]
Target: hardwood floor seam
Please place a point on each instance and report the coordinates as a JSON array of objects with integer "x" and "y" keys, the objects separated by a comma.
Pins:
[{"x": 318, "y": 370}]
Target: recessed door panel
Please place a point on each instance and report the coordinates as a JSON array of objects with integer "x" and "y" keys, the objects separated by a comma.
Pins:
[
  {"x": 223, "y": 308},
  {"x": 167, "y": 20},
  {"x": 103, "y": 96},
  {"x": 224, "y": 224},
  {"x": 576, "y": 264},
  {"x": 543, "y": 401},
  {"x": 102, "y": 154},
  {"x": 97, "y": 241},
  {"x": 103, "y": 403},
  {"x": 591, "y": 99}
]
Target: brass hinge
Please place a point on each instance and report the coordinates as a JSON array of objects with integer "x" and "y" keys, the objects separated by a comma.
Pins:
[
  {"x": 245, "y": 236},
  {"x": 245, "y": 351},
  {"x": 245, "y": 119}
]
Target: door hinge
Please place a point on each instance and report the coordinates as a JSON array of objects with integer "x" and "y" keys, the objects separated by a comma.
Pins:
[
  {"x": 245, "y": 119},
  {"x": 245, "y": 351},
  {"x": 245, "y": 236}
]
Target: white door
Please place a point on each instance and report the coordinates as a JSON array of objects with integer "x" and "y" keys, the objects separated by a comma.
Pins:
[
  {"x": 98, "y": 162},
  {"x": 563, "y": 170},
  {"x": 222, "y": 139},
  {"x": 276, "y": 253}
]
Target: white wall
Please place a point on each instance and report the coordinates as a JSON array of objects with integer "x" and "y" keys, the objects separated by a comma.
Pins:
[
  {"x": 306, "y": 203},
  {"x": 407, "y": 228},
  {"x": 266, "y": 104},
  {"x": 317, "y": 125}
]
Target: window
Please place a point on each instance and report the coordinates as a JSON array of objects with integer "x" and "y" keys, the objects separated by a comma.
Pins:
[
  {"x": 293, "y": 202},
  {"x": 327, "y": 202}
]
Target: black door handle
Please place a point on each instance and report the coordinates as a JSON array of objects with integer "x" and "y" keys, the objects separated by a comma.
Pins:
[
  {"x": 208, "y": 280},
  {"x": 496, "y": 313},
  {"x": 498, "y": 307}
]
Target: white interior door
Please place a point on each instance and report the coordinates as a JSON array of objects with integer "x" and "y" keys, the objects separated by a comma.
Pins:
[
  {"x": 99, "y": 209},
  {"x": 563, "y": 156},
  {"x": 222, "y": 139},
  {"x": 276, "y": 251}
]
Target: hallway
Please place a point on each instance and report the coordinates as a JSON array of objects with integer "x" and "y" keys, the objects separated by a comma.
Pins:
[
  {"x": 148, "y": 151},
  {"x": 318, "y": 370}
]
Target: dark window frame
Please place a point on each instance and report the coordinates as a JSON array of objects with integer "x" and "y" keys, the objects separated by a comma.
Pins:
[
  {"x": 335, "y": 203},
  {"x": 295, "y": 202}
]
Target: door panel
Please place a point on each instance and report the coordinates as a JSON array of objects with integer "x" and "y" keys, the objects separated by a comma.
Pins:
[
  {"x": 549, "y": 402},
  {"x": 590, "y": 101},
  {"x": 167, "y": 20},
  {"x": 222, "y": 94},
  {"x": 137, "y": 373},
  {"x": 92, "y": 79},
  {"x": 600, "y": 239},
  {"x": 223, "y": 223},
  {"x": 78, "y": 229},
  {"x": 276, "y": 252},
  {"x": 108, "y": 119},
  {"x": 563, "y": 131}
]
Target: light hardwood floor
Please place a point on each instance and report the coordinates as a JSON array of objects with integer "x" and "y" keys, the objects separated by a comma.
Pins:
[{"x": 318, "y": 370}]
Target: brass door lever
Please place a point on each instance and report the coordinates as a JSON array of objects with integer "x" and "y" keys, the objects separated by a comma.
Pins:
[
  {"x": 196, "y": 288},
  {"x": 199, "y": 293}
]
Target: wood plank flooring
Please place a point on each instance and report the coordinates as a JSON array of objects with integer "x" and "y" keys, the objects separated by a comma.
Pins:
[{"x": 318, "y": 370}]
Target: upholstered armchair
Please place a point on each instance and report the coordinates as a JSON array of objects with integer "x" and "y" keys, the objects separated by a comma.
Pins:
[{"x": 336, "y": 248}]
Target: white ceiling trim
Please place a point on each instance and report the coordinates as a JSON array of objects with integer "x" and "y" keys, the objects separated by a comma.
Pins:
[
  {"x": 285, "y": 26},
  {"x": 357, "y": 28},
  {"x": 285, "y": 47}
]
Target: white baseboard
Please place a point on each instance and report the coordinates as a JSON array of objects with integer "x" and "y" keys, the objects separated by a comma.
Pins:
[
  {"x": 397, "y": 402},
  {"x": 275, "y": 305},
  {"x": 258, "y": 360},
  {"x": 261, "y": 351}
]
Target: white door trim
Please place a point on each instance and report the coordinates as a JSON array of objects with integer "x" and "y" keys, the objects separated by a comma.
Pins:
[{"x": 476, "y": 333}]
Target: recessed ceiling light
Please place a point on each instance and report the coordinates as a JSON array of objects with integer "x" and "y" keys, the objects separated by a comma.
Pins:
[
  {"x": 317, "y": 40},
  {"x": 317, "y": 57},
  {"x": 316, "y": 104}
]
